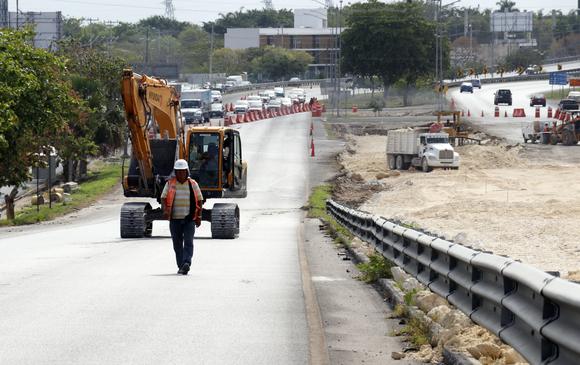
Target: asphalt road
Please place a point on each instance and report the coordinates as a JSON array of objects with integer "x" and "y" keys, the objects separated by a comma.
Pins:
[
  {"x": 75, "y": 293},
  {"x": 482, "y": 100}
]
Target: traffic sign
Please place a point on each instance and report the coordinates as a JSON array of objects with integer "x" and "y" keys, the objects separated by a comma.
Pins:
[{"x": 558, "y": 78}]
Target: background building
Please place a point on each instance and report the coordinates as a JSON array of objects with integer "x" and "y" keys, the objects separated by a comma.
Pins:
[
  {"x": 310, "y": 34},
  {"x": 47, "y": 25}
]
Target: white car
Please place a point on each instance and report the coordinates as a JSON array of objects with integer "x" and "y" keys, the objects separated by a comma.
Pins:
[
  {"x": 241, "y": 106},
  {"x": 216, "y": 96},
  {"x": 275, "y": 104},
  {"x": 286, "y": 101},
  {"x": 217, "y": 110},
  {"x": 279, "y": 92},
  {"x": 254, "y": 105}
]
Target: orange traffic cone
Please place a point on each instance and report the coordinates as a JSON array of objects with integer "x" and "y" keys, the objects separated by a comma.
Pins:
[{"x": 312, "y": 154}]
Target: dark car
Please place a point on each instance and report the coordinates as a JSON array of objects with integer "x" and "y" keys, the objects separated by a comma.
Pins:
[
  {"x": 568, "y": 104},
  {"x": 476, "y": 83},
  {"x": 503, "y": 96},
  {"x": 538, "y": 99}
]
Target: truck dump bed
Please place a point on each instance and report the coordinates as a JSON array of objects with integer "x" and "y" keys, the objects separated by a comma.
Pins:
[{"x": 403, "y": 141}]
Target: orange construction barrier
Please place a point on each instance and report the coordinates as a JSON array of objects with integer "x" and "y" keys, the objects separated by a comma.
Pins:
[
  {"x": 246, "y": 118},
  {"x": 468, "y": 113},
  {"x": 557, "y": 115},
  {"x": 549, "y": 112},
  {"x": 537, "y": 114},
  {"x": 519, "y": 113},
  {"x": 496, "y": 112}
]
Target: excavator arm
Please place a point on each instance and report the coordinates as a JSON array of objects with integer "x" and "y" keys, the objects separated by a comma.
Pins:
[{"x": 152, "y": 114}]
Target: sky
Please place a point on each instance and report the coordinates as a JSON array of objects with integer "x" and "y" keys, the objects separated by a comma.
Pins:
[{"x": 199, "y": 11}]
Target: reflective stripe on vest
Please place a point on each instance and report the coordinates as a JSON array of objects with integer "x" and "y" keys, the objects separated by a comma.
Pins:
[{"x": 171, "y": 197}]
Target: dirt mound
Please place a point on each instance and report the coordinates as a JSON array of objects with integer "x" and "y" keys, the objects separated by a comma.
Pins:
[{"x": 498, "y": 200}]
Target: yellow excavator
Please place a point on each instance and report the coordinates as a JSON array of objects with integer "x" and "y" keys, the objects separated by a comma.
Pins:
[{"x": 158, "y": 137}]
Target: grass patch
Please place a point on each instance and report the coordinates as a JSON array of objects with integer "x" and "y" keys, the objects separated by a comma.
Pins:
[
  {"x": 558, "y": 93},
  {"x": 417, "y": 332},
  {"x": 98, "y": 183},
  {"x": 409, "y": 297},
  {"x": 317, "y": 209},
  {"x": 364, "y": 101},
  {"x": 399, "y": 311},
  {"x": 378, "y": 267}
]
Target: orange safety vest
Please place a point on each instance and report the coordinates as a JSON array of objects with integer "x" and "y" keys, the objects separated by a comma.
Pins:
[{"x": 168, "y": 206}]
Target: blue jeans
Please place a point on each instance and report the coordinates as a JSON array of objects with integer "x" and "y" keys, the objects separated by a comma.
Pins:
[{"x": 182, "y": 232}]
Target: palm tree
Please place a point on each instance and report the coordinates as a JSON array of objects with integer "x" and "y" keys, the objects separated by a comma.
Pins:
[{"x": 506, "y": 5}]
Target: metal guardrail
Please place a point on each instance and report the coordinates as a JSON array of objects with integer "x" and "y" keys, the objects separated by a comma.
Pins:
[{"x": 536, "y": 313}]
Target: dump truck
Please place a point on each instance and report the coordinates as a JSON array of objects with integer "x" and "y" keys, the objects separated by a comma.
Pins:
[
  {"x": 421, "y": 149},
  {"x": 159, "y": 138}
]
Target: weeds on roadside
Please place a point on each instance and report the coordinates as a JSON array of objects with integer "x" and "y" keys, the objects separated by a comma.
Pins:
[
  {"x": 417, "y": 332},
  {"x": 376, "y": 268},
  {"x": 317, "y": 209},
  {"x": 98, "y": 183}
]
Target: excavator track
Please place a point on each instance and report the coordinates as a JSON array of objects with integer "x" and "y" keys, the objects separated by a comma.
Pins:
[
  {"x": 134, "y": 220},
  {"x": 225, "y": 220}
]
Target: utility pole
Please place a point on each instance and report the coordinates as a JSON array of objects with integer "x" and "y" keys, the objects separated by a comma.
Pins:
[
  {"x": 211, "y": 55},
  {"x": 339, "y": 57},
  {"x": 147, "y": 50},
  {"x": 17, "y": 15}
]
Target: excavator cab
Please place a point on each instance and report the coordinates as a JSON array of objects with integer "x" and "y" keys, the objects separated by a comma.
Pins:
[{"x": 215, "y": 162}]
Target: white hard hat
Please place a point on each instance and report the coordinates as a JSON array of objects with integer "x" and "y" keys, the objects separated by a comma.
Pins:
[{"x": 180, "y": 165}]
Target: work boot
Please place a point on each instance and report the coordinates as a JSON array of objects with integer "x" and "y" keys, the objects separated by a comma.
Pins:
[{"x": 184, "y": 269}]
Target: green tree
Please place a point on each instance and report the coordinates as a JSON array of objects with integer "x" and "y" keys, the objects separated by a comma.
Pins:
[
  {"x": 263, "y": 18},
  {"x": 389, "y": 41},
  {"x": 279, "y": 64},
  {"x": 36, "y": 103},
  {"x": 95, "y": 76},
  {"x": 194, "y": 49},
  {"x": 229, "y": 61},
  {"x": 506, "y": 5}
]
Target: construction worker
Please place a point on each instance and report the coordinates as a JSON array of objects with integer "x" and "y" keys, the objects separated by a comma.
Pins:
[{"x": 182, "y": 203}]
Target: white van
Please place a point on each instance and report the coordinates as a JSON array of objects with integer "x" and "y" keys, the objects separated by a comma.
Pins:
[{"x": 574, "y": 95}]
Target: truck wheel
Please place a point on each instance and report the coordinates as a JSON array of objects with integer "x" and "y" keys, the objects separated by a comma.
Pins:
[
  {"x": 391, "y": 162},
  {"x": 568, "y": 138},
  {"x": 399, "y": 163},
  {"x": 425, "y": 165}
]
